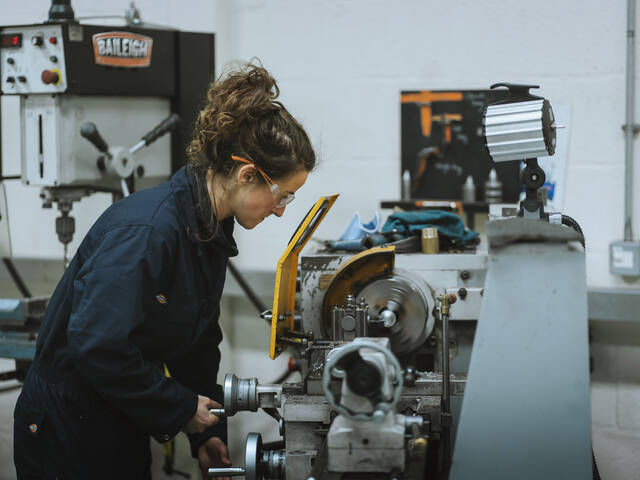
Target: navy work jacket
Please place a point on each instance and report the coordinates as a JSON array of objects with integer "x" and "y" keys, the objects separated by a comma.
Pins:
[{"x": 142, "y": 292}]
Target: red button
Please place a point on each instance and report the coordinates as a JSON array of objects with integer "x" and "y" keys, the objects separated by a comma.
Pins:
[
  {"x": 53, "y": 40},
  {"x": 49, "y": 77}
]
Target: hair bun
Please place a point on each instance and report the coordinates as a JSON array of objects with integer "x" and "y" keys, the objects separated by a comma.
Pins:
[
  {"x": 242, "y": 95},
  {"x": 243, "y": 116}
]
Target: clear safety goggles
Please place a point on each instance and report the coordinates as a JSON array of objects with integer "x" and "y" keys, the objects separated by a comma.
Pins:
[{"x": 282, "y": 198}]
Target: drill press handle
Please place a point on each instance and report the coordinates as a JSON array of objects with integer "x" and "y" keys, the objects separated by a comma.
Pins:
[
  {"x": 89, "y": 131},
  {"x": 168, "y": 124}
]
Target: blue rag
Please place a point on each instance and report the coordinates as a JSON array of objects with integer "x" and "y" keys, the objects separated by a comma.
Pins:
[{"x": 448, "y": 224}]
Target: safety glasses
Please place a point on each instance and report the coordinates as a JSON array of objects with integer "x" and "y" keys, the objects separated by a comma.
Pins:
[{"x": 282, "y": 198}]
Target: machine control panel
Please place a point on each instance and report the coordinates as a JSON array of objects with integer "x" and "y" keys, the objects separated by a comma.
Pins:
[{"x": 32, "y": 60}]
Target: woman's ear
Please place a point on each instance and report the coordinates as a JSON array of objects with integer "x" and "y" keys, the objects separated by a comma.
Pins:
[{"x": 246, "y": 174}]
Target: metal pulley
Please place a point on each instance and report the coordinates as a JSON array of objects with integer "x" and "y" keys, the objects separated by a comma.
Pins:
[
  {"x": 400, "y": 308},
  {"x": 521, "y": 126},
  {"x": 240, "y": 395},
  {"x": 246, "y": 395},
  {"x": 399, "y": 303}
]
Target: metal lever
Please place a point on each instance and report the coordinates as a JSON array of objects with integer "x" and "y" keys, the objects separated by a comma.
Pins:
[
  {"x": 226, "y": 472},
  {"x": 218, "y": 412},
  {"x": 89, "y": 131},
  {"x": 168, "y": 124},
  {"x": 445, "y": 415}
]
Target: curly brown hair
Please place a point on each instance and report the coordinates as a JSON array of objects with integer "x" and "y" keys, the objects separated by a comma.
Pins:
[{"x": 243, "y": 117}]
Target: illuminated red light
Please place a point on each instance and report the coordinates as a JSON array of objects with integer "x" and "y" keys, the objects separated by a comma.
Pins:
[
  {"x": 15, "y": 39},
  {"x": 53, "y": 40}
]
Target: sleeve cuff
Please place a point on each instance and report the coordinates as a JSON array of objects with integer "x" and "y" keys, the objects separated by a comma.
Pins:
[
  {"x": 181, "y": 420},
  {"x": 196, "y": 440}
]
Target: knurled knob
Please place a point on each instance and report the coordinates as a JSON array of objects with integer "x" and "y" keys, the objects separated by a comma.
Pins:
[{"x": 50, "y": 77}]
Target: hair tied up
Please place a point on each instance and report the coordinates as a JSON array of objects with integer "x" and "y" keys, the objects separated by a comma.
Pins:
[{"x": 242, "y": 96}]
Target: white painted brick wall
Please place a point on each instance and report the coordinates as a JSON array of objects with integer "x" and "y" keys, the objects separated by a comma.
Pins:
[{"x": 342, "y": 64}]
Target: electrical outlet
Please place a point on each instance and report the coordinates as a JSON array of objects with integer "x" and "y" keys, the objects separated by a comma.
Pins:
[{"x": 624, "y": 258}]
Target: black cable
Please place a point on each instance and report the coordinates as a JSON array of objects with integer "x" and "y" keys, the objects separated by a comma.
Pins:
[
  {"x": 247, "y": 289},
  {"x": 282, "y": 377},
  {"x": 273, "y": 413},
  {"x": 570, "y": 222},
  {"x": 17, "y": 279},
  {"x": 596, "y": 473}
]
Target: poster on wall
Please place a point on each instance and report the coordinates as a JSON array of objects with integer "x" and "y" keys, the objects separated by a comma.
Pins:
[{"x": 442, "y": 144}]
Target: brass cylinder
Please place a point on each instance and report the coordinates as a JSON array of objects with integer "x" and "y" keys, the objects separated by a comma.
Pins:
[{"x": 430, "y": 242}]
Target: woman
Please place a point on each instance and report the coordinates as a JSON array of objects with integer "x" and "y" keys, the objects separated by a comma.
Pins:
[{"x": 143, "y": 291}]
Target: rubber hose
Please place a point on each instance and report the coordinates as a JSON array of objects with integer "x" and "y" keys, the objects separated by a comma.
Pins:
[{"x": 570, "y": 222}]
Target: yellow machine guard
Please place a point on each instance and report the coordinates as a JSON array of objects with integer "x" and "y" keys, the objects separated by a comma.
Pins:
[{"x": 284, "y": 294}]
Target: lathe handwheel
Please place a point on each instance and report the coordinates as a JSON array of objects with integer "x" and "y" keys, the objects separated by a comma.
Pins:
[{"x": 252, "y": 456}]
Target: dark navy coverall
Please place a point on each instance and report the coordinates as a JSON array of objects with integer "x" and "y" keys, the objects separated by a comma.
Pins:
[{"x": 141, "y": 292}]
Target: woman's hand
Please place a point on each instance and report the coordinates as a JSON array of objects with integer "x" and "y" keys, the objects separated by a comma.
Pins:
[
  {"x": 202, "y": 419},
  {"x": 213, "y": 453}
]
